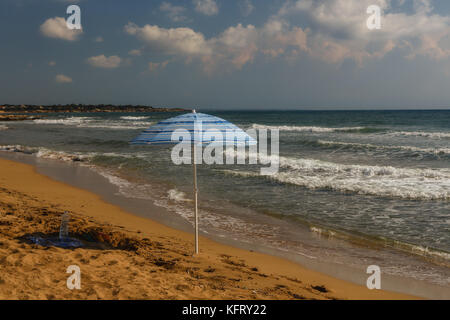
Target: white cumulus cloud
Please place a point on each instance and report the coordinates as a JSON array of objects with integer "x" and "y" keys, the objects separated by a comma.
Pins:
[
  {"x": 172, "y": 41},
  {"x": 207, "y": 7},
  {"x": 57, "y": 28},
  {"x": 327, "y": 30},
  {"x": 338, "y": 29},
  {"x": 175, "y": 13},
  {"x": 102, "y": 61},
  {"x": 60, "y": 78},
  {"x": 237, "y": 45}
]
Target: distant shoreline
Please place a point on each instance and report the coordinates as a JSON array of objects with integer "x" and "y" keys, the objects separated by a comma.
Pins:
[{"x": 79, "y": 108}]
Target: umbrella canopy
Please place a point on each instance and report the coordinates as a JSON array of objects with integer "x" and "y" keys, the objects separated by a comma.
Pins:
[{"x": 203, "y": 129}]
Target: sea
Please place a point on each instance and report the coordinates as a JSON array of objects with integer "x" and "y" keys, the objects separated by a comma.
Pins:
[{"x": 354, "y": 188}]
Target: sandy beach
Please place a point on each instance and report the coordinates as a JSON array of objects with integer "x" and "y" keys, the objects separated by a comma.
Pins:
[{"x": 129, "y": 257}]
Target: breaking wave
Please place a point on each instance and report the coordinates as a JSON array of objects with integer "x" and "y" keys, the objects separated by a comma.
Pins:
[
  {"x": 368, "y": 146},
  {"x": 383, "y": 181},
  {"x": 435, "y": 135},
  {"x": 92, "y": 122},
  {"x": 177, "y": 196},
  {"x": 314, "y": 129},
  {"x": 134, "y": 118},
  {"x": 66, "y": 121}
]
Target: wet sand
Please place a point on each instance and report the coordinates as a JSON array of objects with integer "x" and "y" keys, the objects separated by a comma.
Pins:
[{"x": 130, "y": 257}]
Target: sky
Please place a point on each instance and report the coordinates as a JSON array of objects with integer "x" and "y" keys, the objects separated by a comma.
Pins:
[{"x": 226, "y": 54}]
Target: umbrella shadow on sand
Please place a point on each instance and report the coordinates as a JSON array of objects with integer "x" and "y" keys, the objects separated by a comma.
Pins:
[{"x": 85, "y": 240}]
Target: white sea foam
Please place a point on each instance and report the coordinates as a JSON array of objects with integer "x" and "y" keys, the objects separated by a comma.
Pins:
[
  {"x": 386, "y": 181},
  {"x": 177, "y": 196},
  {"x": 435, "y": 151},
  {"x": 435, "y": 135},
  {"x": 65, "y": 121},
  {"x": 17, "y": 148},
  {"x": 121, "y": 183},
  {"x": 133, "y": 118},
  {"x": 118, "y": 125},
  {"x": 46, "y": 153},
  {"x": 316, "y": 129},
  {"x": 306, "y": 128},
  {"x": 425, "y": 251},
  {"x": 92, "y": 122},
  {"x": 321, "y": 231}
]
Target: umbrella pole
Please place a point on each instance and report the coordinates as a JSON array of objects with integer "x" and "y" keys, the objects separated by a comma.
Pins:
[{"x": 194, "y": 164}]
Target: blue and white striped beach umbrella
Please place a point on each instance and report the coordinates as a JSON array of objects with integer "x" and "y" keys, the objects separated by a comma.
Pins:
[{"x": 203, "y": 129}]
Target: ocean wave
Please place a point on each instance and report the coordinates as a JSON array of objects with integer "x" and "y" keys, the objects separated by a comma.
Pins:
[
  {"x": 177, "y": 196},
  {"x": 18, "y": 148},
  {"x": 314, "y": 129},
  {"x": 46, "y": 153},
  {"x": 435, "y": 135},
  {"x": 41, "y": 152},
  {"x": 369, "y": 146},
  {"x": 92, "y": 122},
  {"x": 134, "y": 118},
  {"x": 65, "y": 121},
  {"x": 119, "y": 125},
  {"x": 384, "y": 181},
  {"x": 3, "y": 127},
  {"x": 61, "y": 155}
]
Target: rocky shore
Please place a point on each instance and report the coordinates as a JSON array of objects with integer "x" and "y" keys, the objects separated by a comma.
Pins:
[{"x": 12, "y": 117}]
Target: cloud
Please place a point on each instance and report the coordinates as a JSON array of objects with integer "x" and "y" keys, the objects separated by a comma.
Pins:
[
  {"x": 338, "y": 29},
  {"x": 331, "y": 31},
  {"x": 102, "y": 61},
  {"x": 57, "y": 28},
  {"x": 175, "y": 13},
  {"x": 176, "y": 41},
  {"x": 60, "y": 78},
  {"x": 154, "y": 66},
  {"x": 206, "y": 7},
  {"x": 135, "y": 52},
  {"x": 237, "y": 45},
  {"x": 246, "y": 7}
]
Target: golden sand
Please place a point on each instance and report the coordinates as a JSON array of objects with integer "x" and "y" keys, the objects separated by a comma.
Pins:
[{"x": 129, "y": 257}]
